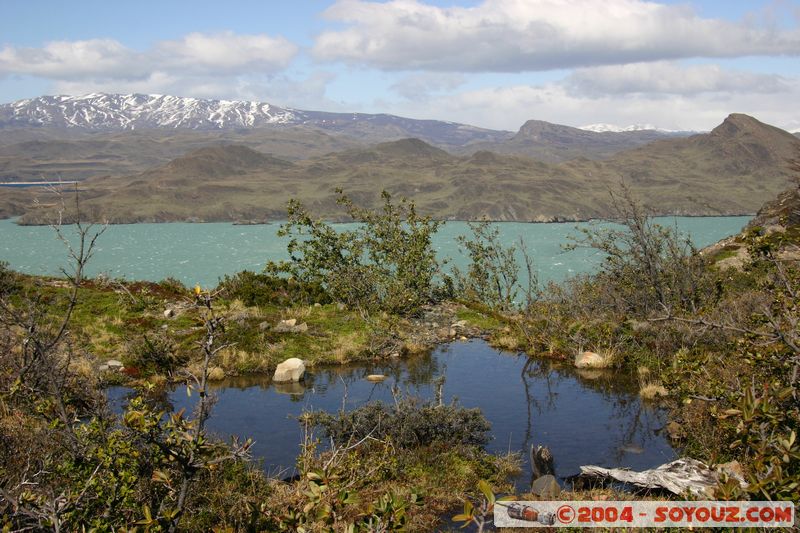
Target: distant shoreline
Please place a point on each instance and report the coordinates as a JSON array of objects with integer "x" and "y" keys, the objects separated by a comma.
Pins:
[{"x": 555, "y": 220}]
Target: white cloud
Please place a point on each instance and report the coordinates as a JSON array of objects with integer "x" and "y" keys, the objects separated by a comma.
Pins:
[
  {"x": 305, "y": 93},
  {"x": 225, "y": 53},
  {"x": 422, "y": 85},
  {"x": 106, "y": 60},
  {"x": 530, "y": 35},
  {"x": 508, "y": 107},
  {"x": 667, "y": 78}
]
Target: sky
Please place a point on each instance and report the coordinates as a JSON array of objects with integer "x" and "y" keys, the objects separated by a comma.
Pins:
[{"x": 490, "y": 63}]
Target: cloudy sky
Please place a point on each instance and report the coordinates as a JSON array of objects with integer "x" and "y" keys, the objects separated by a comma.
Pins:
[{"x": 492, "y": 63}]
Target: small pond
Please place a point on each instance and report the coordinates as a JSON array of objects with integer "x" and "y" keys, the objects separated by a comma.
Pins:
[{"x": 585, "y": 417}]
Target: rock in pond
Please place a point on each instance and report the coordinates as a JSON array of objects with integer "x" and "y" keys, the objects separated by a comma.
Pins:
[
  {"x": 290, "y": 370},
  {"x": 591, "y": 360},
  {"x": 377, "y": 378},
  {"x": 546, "y": 487}
]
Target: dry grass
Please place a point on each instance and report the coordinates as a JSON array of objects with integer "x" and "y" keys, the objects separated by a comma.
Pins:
[
  {"x": 233, "y": 361},
  {"x": 652, "y": 390},
  {"x": 347, "y": 347},
  {"x": 506, "y": 342},
  {"x": 415, "y": 348},
  {"x": 83, "y": 367},
  {"x": 216, "y": 373}
]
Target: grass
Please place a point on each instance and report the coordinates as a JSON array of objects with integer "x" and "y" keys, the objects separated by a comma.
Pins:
[
  {"x": 652, "y": 390},
  {"x": 483, "y": 319},
  {"x": 109, "y": 321}
]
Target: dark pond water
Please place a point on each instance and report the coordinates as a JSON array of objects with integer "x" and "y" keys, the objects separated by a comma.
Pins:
[{"x": 585, "y": 417}]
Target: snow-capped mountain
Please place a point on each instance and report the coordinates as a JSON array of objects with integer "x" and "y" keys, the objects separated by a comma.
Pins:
[
  {"x": 131, "y": 111},
  {"x": 115, "y": 112},
  {"x": 604, "y": 128}
]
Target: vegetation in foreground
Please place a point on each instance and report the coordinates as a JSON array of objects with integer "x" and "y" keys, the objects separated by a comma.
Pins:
[{"x": 718, "y": 345}]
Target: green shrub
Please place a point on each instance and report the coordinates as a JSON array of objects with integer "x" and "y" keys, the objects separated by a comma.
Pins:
[
  {"x": 154, "y": 355},
  {"x": 408, "y": 424},
  {"x": 265, "y": 289},
  {"x": 386, "y": 264},
  {"x": 8, "y": 280},
  {"x": 647, "y": 267},
  {"x": 493, "y": 276}
]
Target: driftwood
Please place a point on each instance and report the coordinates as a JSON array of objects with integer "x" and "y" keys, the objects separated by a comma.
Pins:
[{"x": 679, "y": 477}]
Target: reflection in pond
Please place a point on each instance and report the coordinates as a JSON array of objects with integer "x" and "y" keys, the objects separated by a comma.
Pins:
[{"x": 584, "y": 417}]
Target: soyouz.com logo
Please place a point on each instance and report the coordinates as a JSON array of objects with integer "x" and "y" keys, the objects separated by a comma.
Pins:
[{"x": 644, "y": 514}]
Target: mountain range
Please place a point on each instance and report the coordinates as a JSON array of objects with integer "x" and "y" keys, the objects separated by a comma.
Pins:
[{"x": 163, "y": 158}]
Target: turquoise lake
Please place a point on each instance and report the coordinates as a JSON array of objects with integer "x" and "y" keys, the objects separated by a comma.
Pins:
[{"x": 203, "y": 253}]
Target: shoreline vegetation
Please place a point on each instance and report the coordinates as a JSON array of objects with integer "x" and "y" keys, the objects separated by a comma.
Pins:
[
  {"x": 712, "y": 335},
  {"x": 237, "y": 222}
]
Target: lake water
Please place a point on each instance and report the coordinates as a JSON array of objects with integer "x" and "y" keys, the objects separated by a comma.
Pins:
[
  {"x": 585, "y": 417},
  {"x": 203, "y": 253}
]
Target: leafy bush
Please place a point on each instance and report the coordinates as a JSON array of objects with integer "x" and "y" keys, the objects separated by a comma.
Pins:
[
  {"x": 408, "y": 424},
  {"x": 265, "y": 289},
  {"x": 8, "y": 280},
  {"x": 387, "y": 263},
  {"x": 154, "y": 355},
  {"x": 647, "y": 267},
  {"x": 493, "y": 276}
]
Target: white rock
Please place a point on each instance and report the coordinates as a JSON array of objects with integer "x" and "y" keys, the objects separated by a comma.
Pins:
[
  {"x": 290, "y": 370},
  {"x": 169, "y": 313},
  {"x": 591, "y": 360},
  {"x": 376, "y": 377},
  {"x": 113, "y": 363}
]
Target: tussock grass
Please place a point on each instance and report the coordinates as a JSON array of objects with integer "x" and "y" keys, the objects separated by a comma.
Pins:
[{"x": 652, "y": 391}]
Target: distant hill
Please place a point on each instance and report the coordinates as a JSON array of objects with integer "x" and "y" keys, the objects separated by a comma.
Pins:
[
  {"x": 100, "y": 112},
  {"x": 187, "y": 123},
  {"x": 555, "y": 143},
  {"x": 733, "y": 169}
]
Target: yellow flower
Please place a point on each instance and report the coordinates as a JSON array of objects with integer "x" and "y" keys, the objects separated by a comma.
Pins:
[{"x": 197, "y": 290}]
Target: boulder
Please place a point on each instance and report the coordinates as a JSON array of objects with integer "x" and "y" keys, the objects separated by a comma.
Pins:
[
  {"x": 675, "y": 431},
  {"x": 591, "y": 360},
  {"x": 264, "y": 326},
  {"x": 113, "y": 364},
  {"x": 546, "y": 487},
  {"x": 169, "y": 313},
  {"x": 290, "y": 370},
  {"x": 459, "y": 324},
  {"x": 291, "y": 326},
  {"x": 377, "y": 378}
]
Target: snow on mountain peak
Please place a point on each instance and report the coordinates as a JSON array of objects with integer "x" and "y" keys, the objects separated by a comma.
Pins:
[
  {"x": 100, "y": 111},
  {"x": 603, "y": 128}
]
